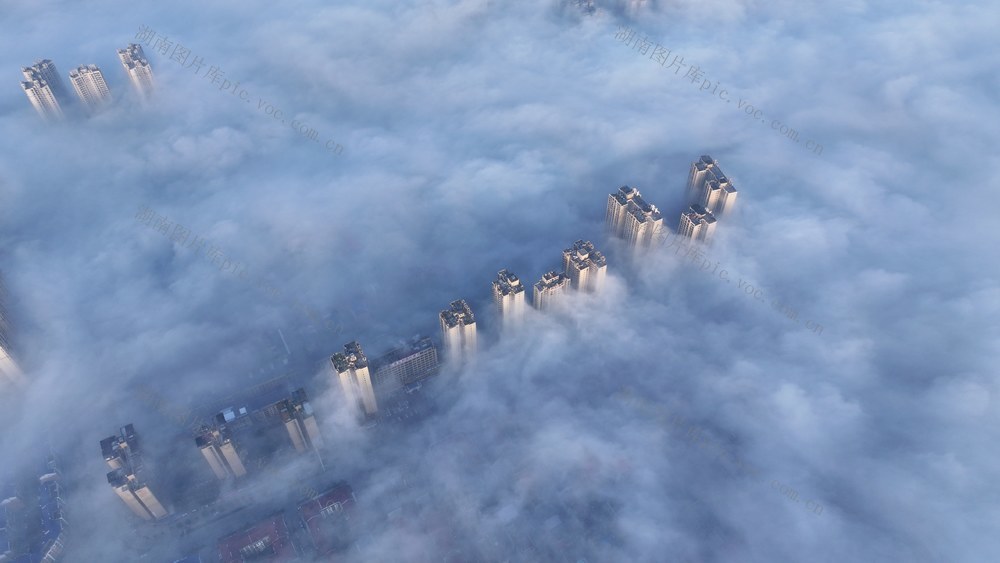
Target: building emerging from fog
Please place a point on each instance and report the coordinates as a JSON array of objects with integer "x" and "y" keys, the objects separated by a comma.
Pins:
[
  {"x": 585, "y": 267},
  {"x": 137, "y": 68},
  {"x": 405, "y": 365},
  {"x": 351, "y": 367},
  {"x": 90, "y": 87},
  {"x": 249, "y": 434},
  {"x": 508, "y": 296},
  {"x": 708, "y": 187},
  {"x": 631, "y": 218},
  {"x": 44, "y": 89},
  {"x": 10, "y": 372},
  {"x": 458, "y": 328},
  {"x": 300, "y": 422},
  {"x": 549, "y": 289},
  {"x": 697, "y": 223},
  {"x": 217, "y": 446},
  {"x": 32, "y": 517},
  {"x": 128, "y": 476}
]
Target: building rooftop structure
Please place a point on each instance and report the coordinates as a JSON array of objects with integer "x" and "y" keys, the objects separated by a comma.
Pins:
[
  {"x": 90, "y": 86},
  {"x": 137, "y": 68},
  {"x": 414, "y": 361},
  {"x": 547, "y": 289},
  {"x": 351, "y": 369},
  {"x": 458, "y": 313},
  {"x": 697, "y": 223},
  {"x": 458, "y": 332},
  {"x": 585, "y": 266},
  {"x": 630, "y": 217},
  {"x": 351, "y": 357},
  {"x": 709, "y": 187},
  {"x": 326, "y": 518},
  {"x": 507, "y": 283},
  {"x": 267, "y": 540},
  {"x": 509, "y": 298}
]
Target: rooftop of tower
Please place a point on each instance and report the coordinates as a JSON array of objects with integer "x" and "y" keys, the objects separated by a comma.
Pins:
[
  {"x": 583, "y": 254},
  {"x": 459, "y": 312},
  {"x": 507, "y": 283},
  {"x": 351, "y": 357},
  {"x": 697, "y": 213},
  {"x": 551, "y": 279}
]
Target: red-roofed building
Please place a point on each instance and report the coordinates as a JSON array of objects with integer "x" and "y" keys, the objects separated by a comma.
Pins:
[
  {"x": 266, "y": 541},
  {"x": 328, "y": 519}
]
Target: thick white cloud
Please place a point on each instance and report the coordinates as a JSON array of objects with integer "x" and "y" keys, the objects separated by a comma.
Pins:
[{"x": 483, "y": 135}]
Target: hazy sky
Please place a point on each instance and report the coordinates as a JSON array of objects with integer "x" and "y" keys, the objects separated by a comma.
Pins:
[{"x": 484, "y": 135}]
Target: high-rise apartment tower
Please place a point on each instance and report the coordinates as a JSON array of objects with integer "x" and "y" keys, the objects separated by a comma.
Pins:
[
  {"x": 458, "y": 329},
  {"x": 351, "y": 367}
]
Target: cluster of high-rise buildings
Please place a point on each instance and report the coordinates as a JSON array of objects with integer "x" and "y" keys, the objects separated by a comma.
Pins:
[
  {"x": 33, "y": 516},
  {"x": 584, "y": 269},
  {"x": 233, "y": 446},
  {"x": 233, "y": 440},
  {"x": 47, "y": 94},
  {"x": 709, "y": 196},
  {"x": 237, "y": 439},
  {"x": 128, "y": 476}
]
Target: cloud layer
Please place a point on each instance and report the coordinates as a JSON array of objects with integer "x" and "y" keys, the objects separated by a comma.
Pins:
[{"x": 648, "y": 423}]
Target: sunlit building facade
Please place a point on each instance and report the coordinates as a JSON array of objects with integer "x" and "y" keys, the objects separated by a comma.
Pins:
[
  {"x": 128, "y": 476},
  {"x": 585, "y": 266},
  {"x": 458, "y": 329},
  {"x": 137, "y": 68},
  {"x": 697, "y": 223},
  {"x": 90, "y": 86},
  {"x": 508, "y": 297},
  {"x": 710, "y": 188},
  {"x": 630, "y": 217},
  {"x": 300, "y": 422},
  {"x": 549, "y": 290},
  {"x": 44, "y": 89},
  {"x": 351, "y": 367}
]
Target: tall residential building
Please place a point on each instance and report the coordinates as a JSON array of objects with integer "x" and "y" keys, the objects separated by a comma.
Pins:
[
  {"x": 128, "y": 475},
  {"x": 44, "y": 89},
  {"x": 33, "y": 525},
  {"x": 46, "y": 70},
  {"x": 138, "y": 70},
  {"x": 351, "y": 367},
  {"x": 508, "y": 296},
  {"x": 697, "y": 223},
  {"x": 405, "y": 365},
  {"x": 90, "y": 86},
  {"x": 300, "y": 422},
  {"x": 458, "y": 328},
  {"x": 585, "y": 267},
  {"x": 10, "y": 372},
  {"x": 710, "y": 188},
  {"x": 631, "y": 218},
  {"x": 217, "y": 446},
  {"x": 547, "y": 291}
]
